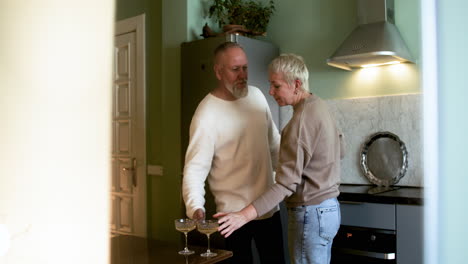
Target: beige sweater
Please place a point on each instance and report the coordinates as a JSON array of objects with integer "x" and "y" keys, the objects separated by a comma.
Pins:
[{"x": 309, "y": 159}]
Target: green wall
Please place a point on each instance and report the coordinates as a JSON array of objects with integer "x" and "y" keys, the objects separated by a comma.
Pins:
[
  {"x": 129, "y": 8},
  {"x": 197, "y": 17},
  {"x": 166, "y": 190}
]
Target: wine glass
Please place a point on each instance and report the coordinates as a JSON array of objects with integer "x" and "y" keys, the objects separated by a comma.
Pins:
[
  {"x": 185, "y": 226},
  {"x": 207, "y": 227}
]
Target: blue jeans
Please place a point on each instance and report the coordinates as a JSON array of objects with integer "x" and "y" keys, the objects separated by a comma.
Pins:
[{"x": 311, "y": 229}]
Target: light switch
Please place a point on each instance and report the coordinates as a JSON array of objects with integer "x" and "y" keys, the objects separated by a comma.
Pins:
[{"x": 155, "y": 170}]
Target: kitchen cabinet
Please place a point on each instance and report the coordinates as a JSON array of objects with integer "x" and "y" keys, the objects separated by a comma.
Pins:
[
  {"x": 409, "y": 234},
  {"x": 402, "y": 220},
  {"x": 371, "y": 215}
]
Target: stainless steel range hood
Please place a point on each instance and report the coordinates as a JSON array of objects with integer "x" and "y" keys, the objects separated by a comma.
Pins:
[{"x": 376, "y": 41}]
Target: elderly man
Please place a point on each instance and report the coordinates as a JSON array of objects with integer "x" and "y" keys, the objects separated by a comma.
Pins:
[{"x": 234, "y": 145}]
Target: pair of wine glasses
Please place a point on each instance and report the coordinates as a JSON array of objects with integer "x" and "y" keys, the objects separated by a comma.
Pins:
[{"x": 206, "y": 227}]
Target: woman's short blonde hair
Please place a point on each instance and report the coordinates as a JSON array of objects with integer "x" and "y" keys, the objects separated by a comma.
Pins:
[{"x": 292, "y": 67}]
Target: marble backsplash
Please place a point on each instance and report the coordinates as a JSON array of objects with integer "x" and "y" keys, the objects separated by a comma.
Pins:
[{"x": 361, "y": 117}]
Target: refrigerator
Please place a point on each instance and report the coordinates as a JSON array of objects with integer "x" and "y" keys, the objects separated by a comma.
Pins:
[{"x": 198, "y": 79}]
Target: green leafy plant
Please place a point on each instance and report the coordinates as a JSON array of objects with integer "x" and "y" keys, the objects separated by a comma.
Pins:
[{"x": 251, "y": 14}]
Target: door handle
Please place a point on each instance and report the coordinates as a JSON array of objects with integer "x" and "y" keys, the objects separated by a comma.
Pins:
[
  {"x": 132, "y": 169},
  {"x": 350, "y": 202},
  {"x": 376, "y": 255}
]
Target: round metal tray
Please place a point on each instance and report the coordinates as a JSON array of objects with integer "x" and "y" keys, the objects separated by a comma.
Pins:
[{"x": 384, "y": 159}]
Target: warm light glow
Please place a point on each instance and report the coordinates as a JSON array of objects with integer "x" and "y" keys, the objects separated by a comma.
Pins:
[
  {"x": 401, "y": 70},
  {"x": 381, "y": 64},
  {"x": 377, "y": 81},
  {"x": 367, "y": 75},
  {"x": 55, "y": 112},
  {"x": 364, "y": 80}
]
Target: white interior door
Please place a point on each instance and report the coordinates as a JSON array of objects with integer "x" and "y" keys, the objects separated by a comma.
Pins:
[{"x": 128, "y": 188}]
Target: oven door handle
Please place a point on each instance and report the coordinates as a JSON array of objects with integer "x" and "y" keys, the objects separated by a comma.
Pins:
[
  {"x": 350, "y": 202},
  {"x": 370, "y": 254}
]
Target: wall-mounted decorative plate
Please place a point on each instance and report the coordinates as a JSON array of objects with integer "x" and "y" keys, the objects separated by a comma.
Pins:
[{"x": 384, "y": 159}]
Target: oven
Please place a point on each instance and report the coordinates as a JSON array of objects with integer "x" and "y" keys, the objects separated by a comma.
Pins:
[{"x": 364, "y": 245}]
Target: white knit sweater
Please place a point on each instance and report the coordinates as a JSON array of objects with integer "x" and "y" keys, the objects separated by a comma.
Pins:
[{"x": 235, "y": 145}]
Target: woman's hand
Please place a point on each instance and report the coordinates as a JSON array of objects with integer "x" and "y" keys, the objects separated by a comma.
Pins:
[{"x": 230, "y": 222}]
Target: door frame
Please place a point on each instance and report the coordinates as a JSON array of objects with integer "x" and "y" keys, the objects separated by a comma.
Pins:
[{"x": 137, "y": 24}]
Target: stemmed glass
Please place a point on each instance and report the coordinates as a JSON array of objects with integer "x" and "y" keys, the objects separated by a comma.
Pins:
[
  {"x": 208, "y": 227},
  {"x": 185, "y": 226}
]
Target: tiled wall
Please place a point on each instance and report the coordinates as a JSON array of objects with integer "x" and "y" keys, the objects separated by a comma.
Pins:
[{"x": 359, "y": 118}]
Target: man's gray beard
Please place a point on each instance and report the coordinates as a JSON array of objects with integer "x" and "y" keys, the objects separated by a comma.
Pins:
[{"x": 238, "y": 92}]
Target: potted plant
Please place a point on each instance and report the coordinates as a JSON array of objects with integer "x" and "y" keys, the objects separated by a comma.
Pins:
[{"x": 239, "y": 16}]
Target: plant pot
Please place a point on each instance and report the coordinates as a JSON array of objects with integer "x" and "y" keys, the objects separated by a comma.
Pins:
[{"x": 241, "y": 30}]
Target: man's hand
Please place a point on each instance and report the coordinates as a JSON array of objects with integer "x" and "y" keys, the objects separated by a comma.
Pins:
[{"x": 199, "y": 214}]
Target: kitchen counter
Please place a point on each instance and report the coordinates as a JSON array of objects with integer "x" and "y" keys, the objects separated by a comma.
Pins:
[
  {"x": 137, "y": 250},
  {"x": 362, "y": 193}
]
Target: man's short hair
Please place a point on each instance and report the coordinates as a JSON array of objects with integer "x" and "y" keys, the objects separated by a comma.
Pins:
[{"x": 225, "y": 46}]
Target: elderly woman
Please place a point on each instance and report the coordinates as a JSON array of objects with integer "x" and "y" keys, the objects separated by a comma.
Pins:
[{"x": 308, "y": 174}]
